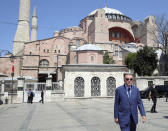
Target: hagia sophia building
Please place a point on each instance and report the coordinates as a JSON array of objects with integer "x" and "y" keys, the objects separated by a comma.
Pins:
[{"x": 104, "y": 29}]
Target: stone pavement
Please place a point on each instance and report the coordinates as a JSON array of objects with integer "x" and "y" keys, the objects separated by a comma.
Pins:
[{"x": 75, "y": 115}]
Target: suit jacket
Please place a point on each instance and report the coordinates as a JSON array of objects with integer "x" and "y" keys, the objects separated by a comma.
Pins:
[{"x": 123, "y": 107}]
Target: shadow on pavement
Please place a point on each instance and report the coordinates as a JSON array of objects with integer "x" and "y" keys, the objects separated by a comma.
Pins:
[
  {"x": 166, "y": 117},
  {"x": 148, "y": 111}
]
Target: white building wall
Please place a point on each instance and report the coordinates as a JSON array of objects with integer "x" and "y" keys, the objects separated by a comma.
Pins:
[
  {"x": 87, "y": 76},
  {"x": 142, "y": 82}
]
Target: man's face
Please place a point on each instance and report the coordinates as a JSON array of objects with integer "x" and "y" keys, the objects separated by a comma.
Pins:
[{"x": 128, "y": 80}]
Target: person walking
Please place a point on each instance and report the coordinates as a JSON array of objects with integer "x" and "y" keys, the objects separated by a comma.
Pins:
[
  {"x": 42, "y": 96},
  {"x": 28, "y": 96},
  {"x": 152, "y": 95},
  {"x": 31, "y": 96},
  {"x": 127, "y": 99}
]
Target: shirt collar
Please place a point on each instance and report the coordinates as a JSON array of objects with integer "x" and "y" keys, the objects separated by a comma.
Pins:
[{"x": 127, "y": 87}]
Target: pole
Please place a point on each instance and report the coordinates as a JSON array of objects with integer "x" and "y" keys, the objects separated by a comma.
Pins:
[
  {"x": 12, "y": 74},
  {"x": 23, "y": 93}
]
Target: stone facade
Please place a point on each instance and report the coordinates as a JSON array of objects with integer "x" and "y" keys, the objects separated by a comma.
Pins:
[
  {"x": 101, "y": 29},
  {"x": 6, "y": 65},
  {"x": 88, "y": 73},
  {"x": 106, "y": 28},
  {"x": 90, "y": 57}
]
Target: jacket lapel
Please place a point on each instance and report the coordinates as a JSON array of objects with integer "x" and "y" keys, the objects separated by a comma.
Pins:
[
  {"x": 132, "y": 93},
  {"x": 125, "y": 93}
]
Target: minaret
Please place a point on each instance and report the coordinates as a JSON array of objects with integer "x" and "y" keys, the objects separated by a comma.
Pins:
[
  {"x": 22, "y": 33},
  {"x": 105, "y": 3},
  {"x": 34, "y": 26}
]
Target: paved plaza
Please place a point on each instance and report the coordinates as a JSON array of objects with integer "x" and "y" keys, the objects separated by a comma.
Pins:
[{"x": 75, "y": 115}]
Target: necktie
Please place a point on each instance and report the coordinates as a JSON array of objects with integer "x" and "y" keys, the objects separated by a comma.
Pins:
[{"x": 129, "y": 93}]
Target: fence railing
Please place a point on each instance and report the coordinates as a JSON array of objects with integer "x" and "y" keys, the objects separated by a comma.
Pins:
[
  {"x": 57, "y": 88},
  {"x": 35, "y": 86},
  {"x": 10, "y": 88}
]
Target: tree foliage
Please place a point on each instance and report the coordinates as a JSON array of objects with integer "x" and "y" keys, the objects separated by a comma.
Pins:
[
  {"x": 107, "y": 59},
  {"x": 146, "y": 61},
  {"x": 130, "y": 60}
]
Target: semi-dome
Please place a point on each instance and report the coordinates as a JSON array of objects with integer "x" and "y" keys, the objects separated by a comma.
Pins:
[
  {"x": 107, "y": 11},
  {"x": 89, "y": 47}
]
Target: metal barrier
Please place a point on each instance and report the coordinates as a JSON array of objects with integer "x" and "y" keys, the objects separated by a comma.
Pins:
[
  {"x": 8, "y": 88},
  {"x": 57, "y": 88}
]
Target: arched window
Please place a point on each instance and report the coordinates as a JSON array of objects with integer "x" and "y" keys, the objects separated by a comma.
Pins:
[
  {"x": 122, "y": 17},
  {"x": 120, "y": 34},
  {"x": 92, "y": 58},
  {"x": 111, "y": 86},
  {"x": 114, "y": 17},
  {"x": 44, "y": 63},
  {"x": 79, "y": 87},
  {"x": 95, "y": 86},
  {"x": 118, "y": 17}
]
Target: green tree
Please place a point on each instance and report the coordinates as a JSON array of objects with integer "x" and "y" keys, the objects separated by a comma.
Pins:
[
  {"x": 146, "y": 61},
  {"x": 130, "y": 60},
  {"x": 107, "y": 59}
]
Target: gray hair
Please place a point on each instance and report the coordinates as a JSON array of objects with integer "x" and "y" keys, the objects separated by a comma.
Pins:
[{"x": 127, "y": 73}]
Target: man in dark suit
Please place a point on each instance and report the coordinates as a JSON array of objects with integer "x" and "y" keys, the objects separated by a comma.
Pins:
[
  {"x": 127, "y": 99},
  {"x": 42, "y": 97},
  {"x": 153, "y": 94}
]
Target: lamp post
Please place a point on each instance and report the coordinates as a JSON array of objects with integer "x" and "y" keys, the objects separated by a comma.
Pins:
[{"x": 12, "y": 74}]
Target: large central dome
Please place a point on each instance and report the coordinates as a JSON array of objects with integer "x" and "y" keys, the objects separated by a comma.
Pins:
[{"x": 108, "y": 11}]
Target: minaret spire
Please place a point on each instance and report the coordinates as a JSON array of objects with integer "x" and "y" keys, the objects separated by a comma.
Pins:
[
  {"x": 34, "y": 26},
  {"x": 35, "y": 11},
  {"x": 105, "y": 3},
  {"x": 22, "y": 32}
]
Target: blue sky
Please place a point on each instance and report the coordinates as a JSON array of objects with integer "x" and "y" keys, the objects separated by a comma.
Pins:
[{"x": 58, "y": 14}]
